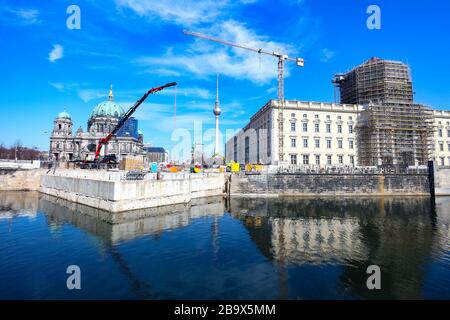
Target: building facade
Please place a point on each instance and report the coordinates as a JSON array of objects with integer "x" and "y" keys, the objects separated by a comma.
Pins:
[
  {"x": 376, "y": 123},
  {"x": 66, "y": 146},
  {"x": 314, "y": 134},
  {"x": 441, "y": 140}
]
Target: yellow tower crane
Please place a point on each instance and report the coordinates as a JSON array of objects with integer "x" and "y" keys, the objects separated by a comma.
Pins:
[{"x": 281, "y": 102}]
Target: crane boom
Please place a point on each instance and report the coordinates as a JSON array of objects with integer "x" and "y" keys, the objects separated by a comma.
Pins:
[
  {"x": 299, "y": 61},
  {"x": 281, "y": 58},
  {"x": 127, "y": 115}
]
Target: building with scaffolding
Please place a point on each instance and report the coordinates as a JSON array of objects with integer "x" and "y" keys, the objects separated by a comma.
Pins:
[
  {"x": 392, "y": 129},
  {"x": 377, "y": 123}
]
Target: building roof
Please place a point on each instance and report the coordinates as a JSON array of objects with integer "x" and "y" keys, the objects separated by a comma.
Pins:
[{"x": 63, "y": 115}]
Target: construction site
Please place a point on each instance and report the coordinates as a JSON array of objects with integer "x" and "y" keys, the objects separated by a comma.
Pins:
[{"x": 377, "y": 119}]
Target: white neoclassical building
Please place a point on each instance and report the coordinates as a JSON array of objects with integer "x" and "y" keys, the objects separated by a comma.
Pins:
[
  {"x": 316, "y": 133},
  {"x": 441, "y": 152}
]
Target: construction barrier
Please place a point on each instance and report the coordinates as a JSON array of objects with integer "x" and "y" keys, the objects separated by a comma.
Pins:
[{"x": 235, "y": 167}]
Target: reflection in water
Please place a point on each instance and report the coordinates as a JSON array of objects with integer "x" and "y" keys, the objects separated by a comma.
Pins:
[
  {"x": 151, "y": 221},
  {"x": 263, "y": 248},
  {"x": 399, "y": 235},
  {"x": 15, "y": 204}
]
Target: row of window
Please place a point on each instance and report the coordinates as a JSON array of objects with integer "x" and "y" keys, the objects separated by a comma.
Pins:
[
  {"x": 440, "y": 133},
  {"x": 442, "y": 161},
  {"x": 60, "y": 145},
  {"x": 441, "y": 146},
  {"x": 351, "y": 143},
  {"x": 317, "y": 127},
  {"x": 317, "y": 159},
  {"x": 316, "y": 116},
  {"x": 60, "y": 126}
]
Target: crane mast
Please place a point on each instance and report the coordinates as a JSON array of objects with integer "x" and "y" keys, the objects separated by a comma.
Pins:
[{"x": 281, "y": 59}]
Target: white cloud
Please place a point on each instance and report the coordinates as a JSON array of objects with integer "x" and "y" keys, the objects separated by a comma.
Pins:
[
  {"x": 57, "y": 85},
  {"x": 56, "y": 53},
  {"x": 203, "y": 57},
  {"x": 161, "y": 72},
  {"x": 327, "y": 55},
  {"x": 26, "y": 16},
  {"x": 185, "y": 12},
  {"x": 90, "y": 94},
  {"x": 195, "y": 92}
]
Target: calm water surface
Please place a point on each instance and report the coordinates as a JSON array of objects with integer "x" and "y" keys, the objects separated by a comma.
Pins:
[{"x": 242, "y": 249}]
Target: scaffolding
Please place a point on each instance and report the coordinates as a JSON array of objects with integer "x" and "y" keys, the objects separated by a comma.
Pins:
[
  {"x": 376, "y": 81},
  {"x": 395, "y": 135},
  {"x": 392, "y": 130}
]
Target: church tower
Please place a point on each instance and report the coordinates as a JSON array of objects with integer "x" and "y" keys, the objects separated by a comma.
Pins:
[
  {"x": 62, "y": 125},
  {"x": 61, "y": 147}
]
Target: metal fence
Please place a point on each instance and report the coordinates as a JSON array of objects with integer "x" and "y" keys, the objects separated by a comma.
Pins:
[{"x": 312, "y": 169}]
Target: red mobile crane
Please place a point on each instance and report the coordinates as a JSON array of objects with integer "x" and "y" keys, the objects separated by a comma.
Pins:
[{"x": 122, "y": 120}]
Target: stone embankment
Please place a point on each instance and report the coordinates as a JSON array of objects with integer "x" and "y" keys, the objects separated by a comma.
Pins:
[
  {"x": 291, "y": 184},
  {"x": 20, "y": 180}
]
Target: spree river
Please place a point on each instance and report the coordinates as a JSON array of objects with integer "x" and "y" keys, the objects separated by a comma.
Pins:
[{"x": 217, "y": 249}]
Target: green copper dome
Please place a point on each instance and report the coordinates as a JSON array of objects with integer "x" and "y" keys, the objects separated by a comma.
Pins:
[
  {"x": 62, "y": 115},
  {"x": 108, "y": 108}
]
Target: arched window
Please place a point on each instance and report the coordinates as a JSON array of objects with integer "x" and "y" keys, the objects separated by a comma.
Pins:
[{"x": 59, "y": 126}]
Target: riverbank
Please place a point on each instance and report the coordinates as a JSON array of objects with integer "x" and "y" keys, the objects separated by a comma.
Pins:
[{"x": 114, "y": 192}]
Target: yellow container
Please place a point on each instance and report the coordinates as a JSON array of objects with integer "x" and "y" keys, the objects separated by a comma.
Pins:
[
  {"x": 235, "y": 167},
  {"x": 173, "y": 169}
]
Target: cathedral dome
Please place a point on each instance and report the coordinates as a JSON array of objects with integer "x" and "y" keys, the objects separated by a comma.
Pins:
[{"x": 108, "y": 108}]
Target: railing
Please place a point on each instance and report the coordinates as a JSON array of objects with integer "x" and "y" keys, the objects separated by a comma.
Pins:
[
  {"x": 17, "y": 161},
  {"x": 20, "y": 164},
  {"x": 346, "y": 169}
]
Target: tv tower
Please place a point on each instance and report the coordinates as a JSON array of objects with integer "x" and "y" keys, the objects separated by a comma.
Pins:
[{"x": 217, "y": 112}]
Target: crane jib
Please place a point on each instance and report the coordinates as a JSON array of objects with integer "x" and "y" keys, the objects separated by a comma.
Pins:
[{"x": 127, "y": 115}]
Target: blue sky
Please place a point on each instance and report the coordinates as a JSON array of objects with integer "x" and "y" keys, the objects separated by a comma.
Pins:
[{"x": 136, "y": 45}]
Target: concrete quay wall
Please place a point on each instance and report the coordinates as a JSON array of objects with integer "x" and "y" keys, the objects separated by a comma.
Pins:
[
  {"x": 121, "y": 195},
  {"x": 286, "y": 184}
]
